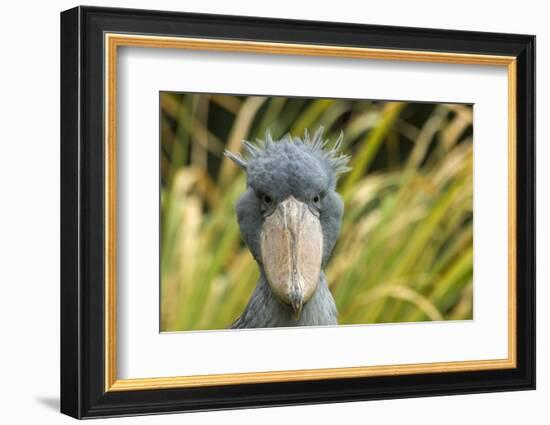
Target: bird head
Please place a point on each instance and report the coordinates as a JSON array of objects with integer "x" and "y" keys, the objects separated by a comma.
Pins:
[{"x": 290, "y": 214}]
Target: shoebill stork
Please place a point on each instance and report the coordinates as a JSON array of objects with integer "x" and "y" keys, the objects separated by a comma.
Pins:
[{"x": 289, "y": 217}]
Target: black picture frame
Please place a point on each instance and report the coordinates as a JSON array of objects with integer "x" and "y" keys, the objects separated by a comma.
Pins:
[{"x": 83, "y": 392}]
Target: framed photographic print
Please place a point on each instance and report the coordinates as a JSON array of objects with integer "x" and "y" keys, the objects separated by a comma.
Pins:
[{"x": 262, "y": 212}]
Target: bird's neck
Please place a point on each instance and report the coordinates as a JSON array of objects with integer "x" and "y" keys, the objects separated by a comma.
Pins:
[{"x": 264, "y": 310}]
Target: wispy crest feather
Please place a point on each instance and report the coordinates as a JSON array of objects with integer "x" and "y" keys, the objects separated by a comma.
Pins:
[{"x": 338, "y": 162}]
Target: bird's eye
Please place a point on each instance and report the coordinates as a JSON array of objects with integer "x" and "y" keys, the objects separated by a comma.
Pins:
[
  {"x": 267, "y": 199},
  {"x": 316, "y": 199}
]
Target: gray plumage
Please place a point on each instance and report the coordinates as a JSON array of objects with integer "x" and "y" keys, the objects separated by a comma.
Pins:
[
  {"x": 266, "y": 311},
  {"x": 305, "y": 169}
]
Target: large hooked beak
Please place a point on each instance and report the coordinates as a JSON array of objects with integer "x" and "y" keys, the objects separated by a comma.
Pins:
[{"x": 292, "y": 251}]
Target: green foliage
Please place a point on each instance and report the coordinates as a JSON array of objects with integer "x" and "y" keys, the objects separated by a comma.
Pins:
[{"x": 406, "y": 244}]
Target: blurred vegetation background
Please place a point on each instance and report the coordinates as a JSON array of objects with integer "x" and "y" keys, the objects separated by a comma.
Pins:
[{"x": 405, "y": 248}]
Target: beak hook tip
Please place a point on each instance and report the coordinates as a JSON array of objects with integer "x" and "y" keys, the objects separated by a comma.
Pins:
[{"x": 297, "y": 304}]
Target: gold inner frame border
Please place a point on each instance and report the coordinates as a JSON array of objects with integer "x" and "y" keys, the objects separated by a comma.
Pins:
[{"x": 113, "y": 40}]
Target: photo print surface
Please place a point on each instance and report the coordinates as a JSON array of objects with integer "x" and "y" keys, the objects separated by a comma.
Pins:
[{"x": 293, "y": 211}]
